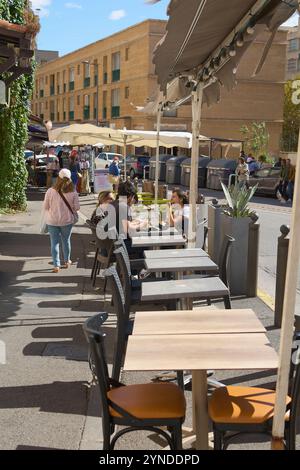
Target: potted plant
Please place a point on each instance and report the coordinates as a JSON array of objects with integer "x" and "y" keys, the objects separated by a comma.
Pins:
[{"x": 237, "y": 220}]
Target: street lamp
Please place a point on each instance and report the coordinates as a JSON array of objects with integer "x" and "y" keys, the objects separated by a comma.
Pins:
[{"x": 96, "y": 65}]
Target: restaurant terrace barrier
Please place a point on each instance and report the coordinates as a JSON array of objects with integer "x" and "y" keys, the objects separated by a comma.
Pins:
[{"x": 282, "y": 256}]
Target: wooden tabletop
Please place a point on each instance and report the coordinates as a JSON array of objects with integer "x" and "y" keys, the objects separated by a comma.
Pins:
[
  {"x": 156, "y": 241},
  {"x": 202, "y": 321},
  {"x": 180, "y": 253},
  {"x": 200, "y": 263},
  {"x": 202, "y": 287},
  {"x": 239, "y": 351}
]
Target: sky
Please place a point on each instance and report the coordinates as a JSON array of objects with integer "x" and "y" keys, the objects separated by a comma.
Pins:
[{"x": 68, "y": 25}]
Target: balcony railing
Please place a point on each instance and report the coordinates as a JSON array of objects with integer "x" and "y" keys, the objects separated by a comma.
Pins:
[
  {"x": 87, "y": 82},
  {"x": 116, "y": 74},
  {"x": 115, "y": 111},
  {"x": 71, "y": 86}
]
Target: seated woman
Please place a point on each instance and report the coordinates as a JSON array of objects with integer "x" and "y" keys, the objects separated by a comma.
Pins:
[
  {"x": 179, "y": 211},
  {"x": 104, "y": 198}
]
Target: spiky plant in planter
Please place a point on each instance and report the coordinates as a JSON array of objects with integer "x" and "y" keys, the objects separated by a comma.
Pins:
[{"x": 238, "y": 199}]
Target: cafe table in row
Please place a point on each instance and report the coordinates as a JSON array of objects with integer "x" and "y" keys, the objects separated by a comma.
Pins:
[
  {"x": 158, "y": 241},
  {"x": 175, "y": 253},
  {"x": 199, "y": 340}
]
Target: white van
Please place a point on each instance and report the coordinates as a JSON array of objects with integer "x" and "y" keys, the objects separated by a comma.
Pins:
[{"x": 104, "y": 159}]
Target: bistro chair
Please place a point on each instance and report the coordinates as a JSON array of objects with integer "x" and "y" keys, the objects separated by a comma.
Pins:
[
  {"x": 138, "y": 407},
  {"x": 236, "y": 410},
  {"x": 223, "y": 270},
  {"x": 133, "y": 287},
  {"x": 124, "y": 326}
]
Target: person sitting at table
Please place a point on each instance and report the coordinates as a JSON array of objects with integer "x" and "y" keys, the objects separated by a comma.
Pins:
[
  {"x": 179, "y": 211},
  {"x": 122, "y": 218},
  {"x": 104, "y": 198}
]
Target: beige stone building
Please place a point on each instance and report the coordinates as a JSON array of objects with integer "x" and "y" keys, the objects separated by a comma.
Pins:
[
  {"x": 293, "y": 52},
  {"x": 108, "y": 78}
]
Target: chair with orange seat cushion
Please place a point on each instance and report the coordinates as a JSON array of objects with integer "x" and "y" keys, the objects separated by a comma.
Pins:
[
  {"x": 136, "y": 407},
  {"x": 240, "y": 410}
]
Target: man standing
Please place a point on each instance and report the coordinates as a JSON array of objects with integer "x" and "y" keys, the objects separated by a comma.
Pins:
[{"x": 114, "y": 173}]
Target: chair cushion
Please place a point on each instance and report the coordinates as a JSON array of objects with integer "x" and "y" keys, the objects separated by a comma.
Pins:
[
  {"x": 243, "y": 405},
  {"x": 149, "y": 401}
]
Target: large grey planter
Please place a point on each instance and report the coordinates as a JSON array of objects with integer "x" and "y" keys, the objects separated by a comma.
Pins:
[
  {"x": 238, "y": 261},
  {"x": 214, "y": 230}
]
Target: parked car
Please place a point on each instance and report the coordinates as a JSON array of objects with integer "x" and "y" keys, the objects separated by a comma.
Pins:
[
  {"x": 28, "y": 153},
  {"x": 104, "y": 159},
  {"x": 268, "y": 180},
  {"x": 135, "y": 165}
]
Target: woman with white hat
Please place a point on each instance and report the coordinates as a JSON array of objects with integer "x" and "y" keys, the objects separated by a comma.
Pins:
[{"x": 61, "y": 204}]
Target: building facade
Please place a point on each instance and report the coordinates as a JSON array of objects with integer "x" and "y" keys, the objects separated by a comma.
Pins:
[
  {"x": 106, "y": 80},
  {"x": 43, "y": 57},
  {"x": 293, "y": 52}
]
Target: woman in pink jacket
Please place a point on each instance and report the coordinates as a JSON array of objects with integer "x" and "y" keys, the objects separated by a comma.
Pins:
[{"x": 61, "y": 204}]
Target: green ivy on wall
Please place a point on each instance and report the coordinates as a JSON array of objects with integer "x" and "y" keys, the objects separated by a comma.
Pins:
[{"x": 13, "y": 125}]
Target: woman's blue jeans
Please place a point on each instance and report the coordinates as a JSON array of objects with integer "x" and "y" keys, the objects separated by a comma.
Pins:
[{"x": 62, "y": 234}]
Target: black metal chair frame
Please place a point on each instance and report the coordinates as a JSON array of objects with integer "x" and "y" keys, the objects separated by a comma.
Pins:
[
  {"x": 221, "y": 441},
  {"x": 174, "y": 439}
]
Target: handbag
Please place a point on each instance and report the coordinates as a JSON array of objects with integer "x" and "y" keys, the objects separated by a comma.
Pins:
[
  {"x": 43, "y": 226},
  {"x": 75, "y": 215}
]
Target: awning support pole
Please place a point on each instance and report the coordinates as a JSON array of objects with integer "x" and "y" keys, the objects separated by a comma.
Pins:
[
  {"x": 158, "y": 126},
  {"x": 287, "y": 329},
  {"x": 124, "y": 154},
  {"x": 197, "y": 96}
]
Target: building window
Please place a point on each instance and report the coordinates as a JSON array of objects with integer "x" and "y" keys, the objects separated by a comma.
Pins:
[
  {"x": 46, "y": 105},
  {"x": 87, "y": 75},
  {"x": 127, "y": 54},
  {"x": 105, "y": 70},
  {"x": 71, "y": 79},
  {"x": 41, "y": 111},
  {"x": 115, "y": 103},
  {"x": 78, "y": 100},
  {"x": 116, "y": 65},
  {"x": 293, "y": 44},
  {"x": 52, "y": 85},
  {"x": 170, "y": 113},
  {"x": 64, "y": 110},
  {"x": 95, "y": 105},
  {"x": 104, "y": 110},
  {"x": 58, "y": 82},
  {"x": 46, "y": 80},
  {"x": 86, "y": 108},
  {"x": 52, "y": 111},
  {"x": 126, "y": 92},
  {"x": 71, "y": 108},
  {"x": 78, "y": 69},
  {"x": 292, "y": 65}
]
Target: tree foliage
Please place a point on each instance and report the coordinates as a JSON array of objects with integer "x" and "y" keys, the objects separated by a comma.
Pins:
[
  {"x": 13, "y": 125},
  {"x": 257, "y": 138},
  {"x": 291, "y": 117}
]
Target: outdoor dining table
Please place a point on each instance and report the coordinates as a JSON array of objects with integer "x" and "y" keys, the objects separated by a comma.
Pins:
[
  {"x": 173, "y": 253},
  {"x": 158, "y": 241},
  {"x": 235, "y": 342},
  {"x": 179, "y": 265}
]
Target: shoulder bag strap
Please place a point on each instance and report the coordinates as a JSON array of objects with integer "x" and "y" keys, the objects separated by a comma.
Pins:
[{"x": 66, "y": 202}]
